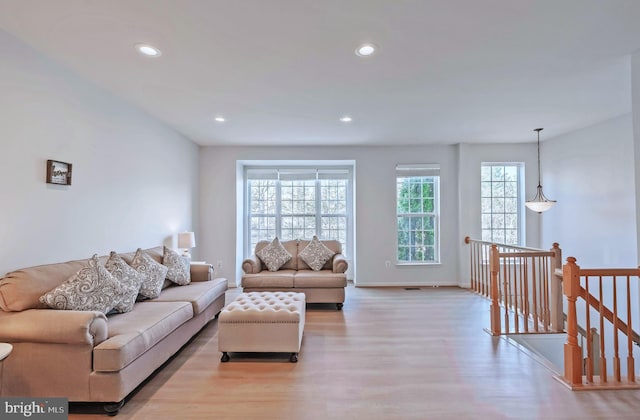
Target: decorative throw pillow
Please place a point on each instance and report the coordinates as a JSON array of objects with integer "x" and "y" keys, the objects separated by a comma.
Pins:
[
  {"x": 130, "y": 279},
  {"x": 92, "y": 288},
  {"x": 274, "y": 255},
  {"x": 178, "y": 268},
  {"x": 153, "y": 274},
  {"x": 316, "y": 254}
]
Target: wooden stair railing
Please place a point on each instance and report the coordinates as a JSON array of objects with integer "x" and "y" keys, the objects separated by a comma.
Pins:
[
  {"x": 525, "y": 294},
  {"x": 594, "y": 341},
  {"x": 576, "y": 284},
  {"x": 609, "y": 316}
]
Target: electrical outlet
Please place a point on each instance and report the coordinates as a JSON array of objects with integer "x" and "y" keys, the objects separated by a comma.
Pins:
[
  {"x": 387, "y": 264},
  {"x": 219, "y": 265}
]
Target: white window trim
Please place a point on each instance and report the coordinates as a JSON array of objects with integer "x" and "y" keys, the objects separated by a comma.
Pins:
[
  {"x": 426, "y": 169},
  {"x": 522, "y": 240},
  {"x": 300, "y": 165}
]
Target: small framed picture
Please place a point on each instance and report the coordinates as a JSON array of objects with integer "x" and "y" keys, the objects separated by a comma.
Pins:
[{"x": 58, "y": 172}]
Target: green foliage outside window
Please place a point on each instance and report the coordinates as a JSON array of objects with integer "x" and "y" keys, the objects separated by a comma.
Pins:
[{"x": 416, "y": 218}]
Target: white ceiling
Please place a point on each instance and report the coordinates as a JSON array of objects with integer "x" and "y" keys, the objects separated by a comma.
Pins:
[{"x": 283, "y": 71}]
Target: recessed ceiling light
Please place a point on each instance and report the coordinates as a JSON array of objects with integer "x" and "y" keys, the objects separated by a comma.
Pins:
[
  {"x": 346, "y": 119},
  {"x": 220, "y": 118},
  {"x": 148, "y": 50},
  {"x": 365, "y": 50}
]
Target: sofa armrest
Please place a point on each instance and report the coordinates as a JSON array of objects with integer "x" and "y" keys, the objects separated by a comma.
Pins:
[
  {"x": 340, "y": 263},
  {"x": 53, "y": 326},
  {"x": 201, "y": 272},
  {"x": 252, "y": 265}
]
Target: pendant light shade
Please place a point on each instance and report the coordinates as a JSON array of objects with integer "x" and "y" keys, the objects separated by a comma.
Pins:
[{"x": 540, "y": 202}]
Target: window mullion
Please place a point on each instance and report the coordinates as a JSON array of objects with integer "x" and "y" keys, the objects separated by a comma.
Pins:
[
  {"x": 278, "y": 208},
  {"x": 318, "y": 203},
  {"x": 247, "y": 216}
]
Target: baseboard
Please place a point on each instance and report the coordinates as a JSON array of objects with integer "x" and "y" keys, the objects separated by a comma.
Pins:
[{"x": 410, "y": 284}]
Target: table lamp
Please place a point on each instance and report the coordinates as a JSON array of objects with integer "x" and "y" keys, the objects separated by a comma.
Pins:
[{"x": 186, "y": 240}]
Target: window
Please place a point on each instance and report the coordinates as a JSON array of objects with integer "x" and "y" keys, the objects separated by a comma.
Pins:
[
  {"x": 297, "y": 203},
  {"x": 417, "y": 209},
  {"x": 501, "y": 205}
]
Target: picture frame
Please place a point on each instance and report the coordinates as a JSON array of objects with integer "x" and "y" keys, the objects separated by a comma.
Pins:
[{"x": 58, "y": 173}]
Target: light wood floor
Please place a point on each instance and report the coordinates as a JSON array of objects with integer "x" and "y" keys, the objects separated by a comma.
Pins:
[{"x": 390, "y": 354}]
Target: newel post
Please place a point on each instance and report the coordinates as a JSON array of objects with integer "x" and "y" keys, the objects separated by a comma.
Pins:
[
  {"x": 494, "y": 267},
  {"x": 556, "y": 309},
  {"x": 572, "y": 351}
]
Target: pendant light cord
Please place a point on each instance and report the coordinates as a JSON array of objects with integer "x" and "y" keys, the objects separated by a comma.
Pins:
[{"x": 538, "y": 130}]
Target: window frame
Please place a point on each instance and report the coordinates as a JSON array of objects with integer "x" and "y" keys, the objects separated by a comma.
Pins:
[
  {"x": 520, "y": 212},
  {"x": 415, "y": 171},
  {"x": 321, "y": 172}
]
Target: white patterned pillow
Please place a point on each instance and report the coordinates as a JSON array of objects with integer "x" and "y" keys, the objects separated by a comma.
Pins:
[
  {"x": 128, "y": 277},
  {"x": 92, "y": 288},
  {"x": 316, "y": 254},
  {"x": 178, "y": 266},
  {"x": 153, "y": 274},
  {"x": 274, "y": 255}
]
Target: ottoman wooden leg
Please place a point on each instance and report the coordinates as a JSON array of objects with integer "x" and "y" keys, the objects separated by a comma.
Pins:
[
  {"x": 225, "y": 357},
  {"x": 293, "y": 358}
]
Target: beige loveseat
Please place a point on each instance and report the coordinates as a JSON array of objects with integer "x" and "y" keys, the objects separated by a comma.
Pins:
[
  {"x": 87, "y": 355},
  {"x": 324, "y": 286}
]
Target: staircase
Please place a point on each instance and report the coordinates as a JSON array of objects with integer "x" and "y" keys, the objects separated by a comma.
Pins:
[{"x": 593, "y": 318}]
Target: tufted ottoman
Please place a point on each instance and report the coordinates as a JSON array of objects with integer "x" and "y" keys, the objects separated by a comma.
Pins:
[{"x": 262, "y": 322}]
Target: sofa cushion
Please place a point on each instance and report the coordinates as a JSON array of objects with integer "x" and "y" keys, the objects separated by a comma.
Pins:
[
  {"x": 316, "y": 254},
  {"x": 178, "y": 267},
  {"x": 281, "y": 278},
  {"x": 130, "y": 279},
  {"x": 133, "y": 333},
  {"x": 333, "y": 245},
  {"x": 292, "y": 248},
  {"x": 199, "y": 294},
  {"x": 21, "y": 289},
  {"x": 156, "y": 254},
  {"x": 153, "y": 274},
  {"x": 92, "y": 288},
  {"x": 274, "y": 255},
  {"x": 319, "y": 279}
]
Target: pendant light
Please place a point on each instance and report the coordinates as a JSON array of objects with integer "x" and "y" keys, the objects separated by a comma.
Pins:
[{"x": 539, "y": 203}]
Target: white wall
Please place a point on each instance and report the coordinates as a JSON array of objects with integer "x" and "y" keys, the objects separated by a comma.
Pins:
[
  {"x": 135, "y": 182},
  {"x": 591, "y": 174},
  {"x": 375, "y": 205},
  {"x": 635, "y": 112}
]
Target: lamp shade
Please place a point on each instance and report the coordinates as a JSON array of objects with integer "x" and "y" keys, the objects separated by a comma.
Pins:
[
  {"x": 540, "y": 206},
  {"x": 186, "y": 240}
]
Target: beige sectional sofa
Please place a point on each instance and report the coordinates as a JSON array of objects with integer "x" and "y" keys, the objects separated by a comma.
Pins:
[
  {"x": 324, "y": 286},
  {"x": 89, "y": 356}
]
